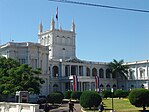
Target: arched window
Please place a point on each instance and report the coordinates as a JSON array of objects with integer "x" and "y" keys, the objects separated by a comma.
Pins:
[
  {"x": 94, "y": 72},
  {"x": 55, "y": 71},
  {"x": 101, "y": 73},
  {"x": 73, "y": 70},
  {"x": 108, "y": 87},
  {"x": 108, "y": 73},
  {"x": 114, "y": 87},
  {"x": 101, "y": 86},
  {"x": 87, "y": 71},
  {"x": 113, "y": 76}
]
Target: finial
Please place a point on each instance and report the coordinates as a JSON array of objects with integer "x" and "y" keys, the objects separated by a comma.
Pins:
[
  {"x": 40, "y": 27},
  {"x": 60, "y": 27},
  {"x": 52, "y": 27},
  {"x": 73, "y": 26}
]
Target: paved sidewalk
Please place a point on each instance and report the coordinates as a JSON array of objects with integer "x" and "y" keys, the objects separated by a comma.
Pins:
[{"x": 64, "y": 108}]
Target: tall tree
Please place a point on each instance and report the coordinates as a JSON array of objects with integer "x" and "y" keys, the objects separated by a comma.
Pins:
[
  {"x": 118, "y": 68},
  {"x": 15, "y": 77}
]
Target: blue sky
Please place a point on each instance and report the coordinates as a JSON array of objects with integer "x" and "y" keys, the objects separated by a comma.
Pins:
[{"x": 101, "y": 34}]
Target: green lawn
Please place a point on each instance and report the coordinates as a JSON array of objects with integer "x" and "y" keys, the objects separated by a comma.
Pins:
[{"x": 120, "y": 105}]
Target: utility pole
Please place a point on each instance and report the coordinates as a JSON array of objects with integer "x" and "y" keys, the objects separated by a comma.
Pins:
[{"x": 112, "y": 100}]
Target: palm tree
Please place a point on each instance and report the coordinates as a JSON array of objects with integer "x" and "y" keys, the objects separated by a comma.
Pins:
[{"x": 118, "y": 69}]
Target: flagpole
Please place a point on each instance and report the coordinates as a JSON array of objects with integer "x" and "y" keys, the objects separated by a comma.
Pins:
[
  {"x": 57, "y": 23},
  {"x": 57, "y": 16}
]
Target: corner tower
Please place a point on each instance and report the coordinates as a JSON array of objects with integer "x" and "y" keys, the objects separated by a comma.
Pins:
[{"x": 61, "y": 42}]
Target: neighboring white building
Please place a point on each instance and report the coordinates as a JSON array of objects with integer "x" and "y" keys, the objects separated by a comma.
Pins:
[
  {"x": 55, "y": 53},
  {"x": 138, "y": 76},
  {"x": 29, "y": 53}
]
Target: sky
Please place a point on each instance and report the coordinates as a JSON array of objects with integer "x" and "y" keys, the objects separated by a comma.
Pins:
[{"x": 101, "y": 34}]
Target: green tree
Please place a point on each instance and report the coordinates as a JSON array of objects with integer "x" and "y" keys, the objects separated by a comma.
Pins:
[
  {"x": 67, "y": 94},
  {"x": 55, "y": 98},
  {"x": 76, "y": 95},
  {"x": 139, "y": 97},
  {"x": 120, "y": 93},
  {"x": 106, "y": 94},
  {"x": 60, "y": 93},
  {"x": 118, "y": 68},
  {"x": 90, "y": 99},
  {"x": 15, "y": 77}
]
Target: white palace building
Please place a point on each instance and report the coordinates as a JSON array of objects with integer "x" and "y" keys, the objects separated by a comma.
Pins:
[{"x": 55, "y": 54}]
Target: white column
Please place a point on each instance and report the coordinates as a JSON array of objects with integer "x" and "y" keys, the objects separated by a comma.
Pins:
[
  {"x": 90, "y": 86},
  {"x": 147, "y": 73},
  {"x": 82, "y": 89},
  {"x": 47, "y": 63},
  {"x": 97, "y": 72},
  {"x": 137, "y": 77},
  {"x": 51, "y": 71},
  {"x": 90, "y": 72},
  {"x": 63, "y": 70},
  {"x": 104, "y": 73},
  {"x": 69, "y": 70},
  {"x": 84, "y": 71},
  {"x": 136, "y": 72}
]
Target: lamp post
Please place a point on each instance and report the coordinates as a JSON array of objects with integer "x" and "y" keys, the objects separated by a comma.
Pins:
[
  {"x": 60, "y": 71},
  {"x": 112, "y": 100}
]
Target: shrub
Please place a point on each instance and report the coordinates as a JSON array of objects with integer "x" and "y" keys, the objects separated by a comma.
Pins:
[
  {"x": 41, "y": 99},
  {"x": 67, "y": 94},
  {"x": 106, "y": 94},
  {"x": 139, "y": 97},
  {"x": 90, "y": 99},
  {"x": 60, "y": 93},
  {"x": 55, "y": 98},
  {"x": 76, "y": 95},
  {"x": 125, "y": 94},
  {"x": 120, "y": 93}
]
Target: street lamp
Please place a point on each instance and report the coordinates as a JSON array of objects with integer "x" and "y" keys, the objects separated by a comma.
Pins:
[
  {"x": 60, "y": 70},
  {"x": 112, "y": 100}
]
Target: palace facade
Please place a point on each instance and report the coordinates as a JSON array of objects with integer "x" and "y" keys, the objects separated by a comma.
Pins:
[{"x": 55, "y": 54}]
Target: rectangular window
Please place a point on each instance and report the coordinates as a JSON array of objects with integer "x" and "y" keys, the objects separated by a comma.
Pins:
[
  {"x": 35, "y": 63},
  {"x": 22, "y": 61}
]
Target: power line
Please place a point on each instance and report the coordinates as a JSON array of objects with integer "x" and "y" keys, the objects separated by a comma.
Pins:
[{"x": 99, "y": 5}]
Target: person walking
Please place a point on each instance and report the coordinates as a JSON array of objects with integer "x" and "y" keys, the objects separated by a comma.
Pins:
[
  {"x": 101, "y": 107},
  {"x": 71, "y": 106},
  {"x": 46, "y": 107}
]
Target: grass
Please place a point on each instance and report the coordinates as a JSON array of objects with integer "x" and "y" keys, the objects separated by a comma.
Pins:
[{"x": 120, "y": 105}]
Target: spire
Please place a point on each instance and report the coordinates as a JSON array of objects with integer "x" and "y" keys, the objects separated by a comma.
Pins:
[
  {"x": 60, "y": 27},
  {"x": 40, "y": 27},
  {"x": 73, "y": 26},
  {"x": 52, "y": 27}
]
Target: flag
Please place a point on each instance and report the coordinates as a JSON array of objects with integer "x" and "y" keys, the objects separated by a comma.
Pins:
[
  {"x": 57, "y": 13},
  {"x": 75, "y": 83},
  {"x": 96, "y": 83}
]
